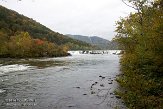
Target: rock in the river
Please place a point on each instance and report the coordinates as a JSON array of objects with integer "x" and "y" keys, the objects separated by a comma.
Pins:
[
  {"x": 118, "y": 97},
  {"x": 77, "y": 87},
  {"x": 110, "y": 83},
  {"x": 71, "y": 105},
  {"x": 102, "y": 77},
  {"x": 102, "y": 85},
  {"x": 111, "y": 93},
  {"x": 92, "y": 92}
]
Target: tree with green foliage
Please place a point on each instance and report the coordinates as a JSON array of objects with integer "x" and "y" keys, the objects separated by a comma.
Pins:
[
  {"x": 3, "y": 43},
  {"x": 140, "y": 36}
]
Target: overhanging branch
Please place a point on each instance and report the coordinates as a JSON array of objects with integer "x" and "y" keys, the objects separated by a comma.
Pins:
[{"x": 129, "y": 5}]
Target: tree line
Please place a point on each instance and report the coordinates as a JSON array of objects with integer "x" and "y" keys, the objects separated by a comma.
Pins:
[{"x": 22, "y": 45}]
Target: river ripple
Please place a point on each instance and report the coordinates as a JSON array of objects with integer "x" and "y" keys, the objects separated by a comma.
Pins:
[{"x": 84, "y": 81}]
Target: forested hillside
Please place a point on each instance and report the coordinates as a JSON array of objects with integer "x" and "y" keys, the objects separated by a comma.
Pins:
[
  {"x": 141, "y": 37},
  {"x": 96, "y": 41},
  {"x": 104, "y": 44},
  {"x": 12, "y": 23}
]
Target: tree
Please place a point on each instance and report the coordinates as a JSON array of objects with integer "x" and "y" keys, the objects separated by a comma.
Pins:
[
  {"x": 140, "y": 35},
  {"x": 20, "y": 45}
]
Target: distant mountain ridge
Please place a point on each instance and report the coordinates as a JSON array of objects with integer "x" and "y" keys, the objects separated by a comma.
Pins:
[{"x": 96, "y": 41}]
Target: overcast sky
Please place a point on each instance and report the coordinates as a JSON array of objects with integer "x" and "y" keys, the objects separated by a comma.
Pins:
[{"x": 82, "y": 17}]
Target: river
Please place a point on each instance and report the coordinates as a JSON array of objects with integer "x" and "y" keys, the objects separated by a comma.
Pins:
[{"x": 80, "y": 81}]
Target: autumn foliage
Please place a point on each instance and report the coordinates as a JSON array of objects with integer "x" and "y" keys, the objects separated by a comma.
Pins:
[{"x": 22, "y": 45}]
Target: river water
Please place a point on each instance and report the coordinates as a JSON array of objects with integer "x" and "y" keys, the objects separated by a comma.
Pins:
[{"x": 80, "y": 81}]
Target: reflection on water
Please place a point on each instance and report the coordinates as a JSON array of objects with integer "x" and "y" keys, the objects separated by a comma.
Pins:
[{"x": 76, "y": 82}]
